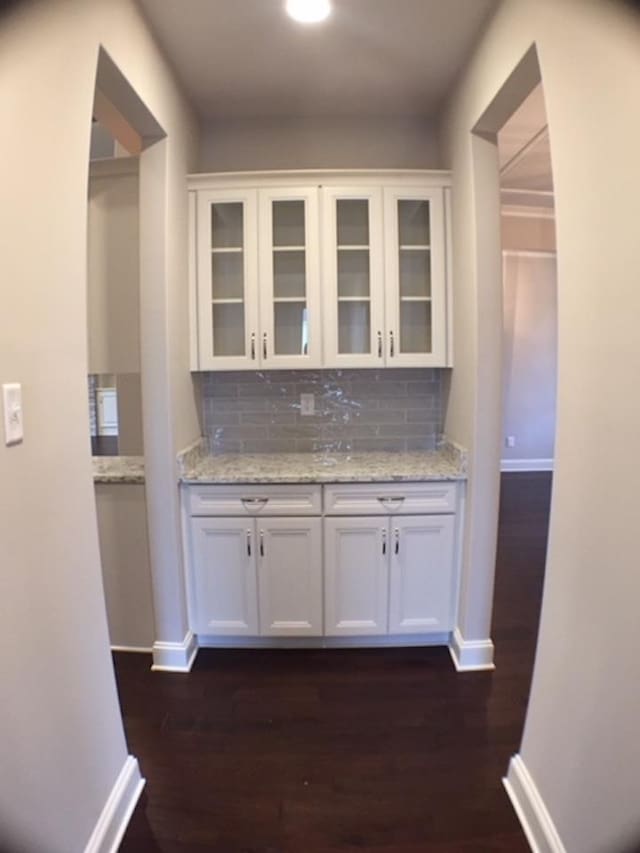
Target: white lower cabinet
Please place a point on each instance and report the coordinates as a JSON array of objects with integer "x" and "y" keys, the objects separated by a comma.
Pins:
[
  {"x": 356, "y": 576},
  {"x": 303, "y": 575},
  {"x": 390, "y": 576},
  {"x": 224, "y": 595},
  {"x": 290, "y": 577},
  {"x": 421, "y": 581},
  {"x": 256, "y": 577}
]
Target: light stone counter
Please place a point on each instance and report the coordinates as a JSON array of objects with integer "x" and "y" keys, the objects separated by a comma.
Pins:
[
  {"x": 118, "y": 469},
  {"x": 447, "y": 463}
]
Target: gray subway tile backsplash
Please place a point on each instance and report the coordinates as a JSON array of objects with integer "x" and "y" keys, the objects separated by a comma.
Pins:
[{"x": 259, "y": 412}]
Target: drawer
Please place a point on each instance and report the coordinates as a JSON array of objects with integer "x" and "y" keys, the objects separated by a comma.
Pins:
[
  {"x": 254, "y": 500},
  {"x": 390, "y": 498}
]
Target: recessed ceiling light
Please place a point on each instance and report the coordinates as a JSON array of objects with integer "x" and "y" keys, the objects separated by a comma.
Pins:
[{"x": 308, "y": 11}]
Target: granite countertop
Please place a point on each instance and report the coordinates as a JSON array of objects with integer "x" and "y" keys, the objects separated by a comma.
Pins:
[
  {"x": 118, "y": 469},
  {"x": 445, "y": 464}
]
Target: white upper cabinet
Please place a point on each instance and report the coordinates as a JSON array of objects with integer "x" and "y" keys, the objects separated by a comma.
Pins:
[
  {"x": 353, "y": 277},
  {"x": 349, "y": 270},
  {"x": 415, "y": 293},
  {"x": 290, "y": 327},
  {"x": 227, "y": 271}
]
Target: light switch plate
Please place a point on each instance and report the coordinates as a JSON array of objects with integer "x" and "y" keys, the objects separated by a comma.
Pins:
[{"x": 12, "y": 404}]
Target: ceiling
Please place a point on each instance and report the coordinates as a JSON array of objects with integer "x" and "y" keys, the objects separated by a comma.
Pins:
[
  {"x": 240, "y": 58},
  {"x": 525, "y": 155}
]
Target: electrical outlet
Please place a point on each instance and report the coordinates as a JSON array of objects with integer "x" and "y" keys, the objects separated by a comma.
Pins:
[
  {"x": 307, "y": 404},
  {"x": 510, "y": 441}
]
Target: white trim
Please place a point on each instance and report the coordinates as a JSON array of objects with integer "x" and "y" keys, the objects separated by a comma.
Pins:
[
  {"x": 529, "y": 253},
  {"x": 114, "y": 167},
  {"x": 526, "y": 465},
  {"x": 319, "y": 177},
  {"x": 471, "y": 655},
  {"x": 135, "y": 649},
  {"x": 371, "y": 641},
  {"x": 116, "y": 814},
  {"x": 526, "y": 211},
  {"x": 175, "y": 657},
  {"x": 529, "y": 806}
]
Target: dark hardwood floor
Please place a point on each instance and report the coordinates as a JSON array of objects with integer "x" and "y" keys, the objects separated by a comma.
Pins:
[{"x": 389, "y": 751}]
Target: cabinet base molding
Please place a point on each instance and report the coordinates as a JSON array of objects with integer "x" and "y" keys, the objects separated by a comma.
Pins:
[
  {"x": 529, "y": 806},
  {"x": 207, "y": 641},
  {"x": 471, "y": 655},
  {"x": 175, "y": 657},
  {"x": 116, "y": 814}
]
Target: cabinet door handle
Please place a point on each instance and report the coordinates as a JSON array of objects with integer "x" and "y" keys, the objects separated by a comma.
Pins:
[
  {"x": 254, "y": 501},
  {"x": 253, "y": 346},
  {"x": 264, "y": 345},
  {"x": 396, "y": 534},
  {"x": 384, "y": 541},
  {"x": 379, "y": 344},
  {"x": 248, "y": 543},
  {"x": 262, "y": 543},
  {"x": 391, "y": 345}
]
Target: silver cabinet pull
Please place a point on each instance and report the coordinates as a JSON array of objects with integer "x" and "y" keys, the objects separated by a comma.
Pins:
[
  {"x": 253, "y": 346},
  {"x": 391, "y": 345},
  {"x": 262, "y": 543},
  {"x": 379, "y": 344},
  {"x": 248, "y": 543},
  {"x": 390, "y": 499},
  {"x": 396, "y": 534},
  {"x": 384, "y": 541},
  {"x": 254, "y": 501},
  {"x": 264, "y": 345}
]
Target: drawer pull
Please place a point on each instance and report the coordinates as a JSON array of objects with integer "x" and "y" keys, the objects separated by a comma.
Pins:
[
  {"x": 391, "y": 499},
  {"x": 254, "y": 501},
  {"x": 262, "y": 543},
  {"x": 248, "y": 543},
  {"x": 396, "y": 534},
  {"x": 384, "y": 541}
]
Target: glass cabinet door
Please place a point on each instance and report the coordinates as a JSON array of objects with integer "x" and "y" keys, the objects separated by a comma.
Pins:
[
  {"x": 354, "y": 307},
  {"x": 227, "y": 303},
  {"x": 289, "y": 275},
  {"x": 415, "y": 294}
]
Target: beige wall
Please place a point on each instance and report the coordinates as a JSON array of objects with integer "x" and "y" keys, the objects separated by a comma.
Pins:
[
  {"x": 113, "y": 264},
  {"x": 126, "y": 573},
  {"x": 529, "y": 355},
  {"x": 63, "y": 744},
  {"x": 535, "y": 234},
  {"x": 580, "y": 743},
  {"x": 319, "y": 143}
]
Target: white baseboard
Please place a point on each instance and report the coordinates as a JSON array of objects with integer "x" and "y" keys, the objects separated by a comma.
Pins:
[
  {"x": 540, "y": 830},
  {"x": 175, "y": 657},
  {"x": 116, "y": 814},
  {"x": 471, "y": 655},
  {"x": 136, "y": 649},
  {"x": 526, "y": 465}
]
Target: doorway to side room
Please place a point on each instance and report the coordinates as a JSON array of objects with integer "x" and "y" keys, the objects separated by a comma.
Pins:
[{"x": 122, "y": 130}]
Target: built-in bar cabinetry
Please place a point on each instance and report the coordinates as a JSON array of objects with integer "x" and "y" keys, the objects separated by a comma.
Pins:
[
  {"x": 323, "y": 269},
  {"x": 368, "y": 561}
]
